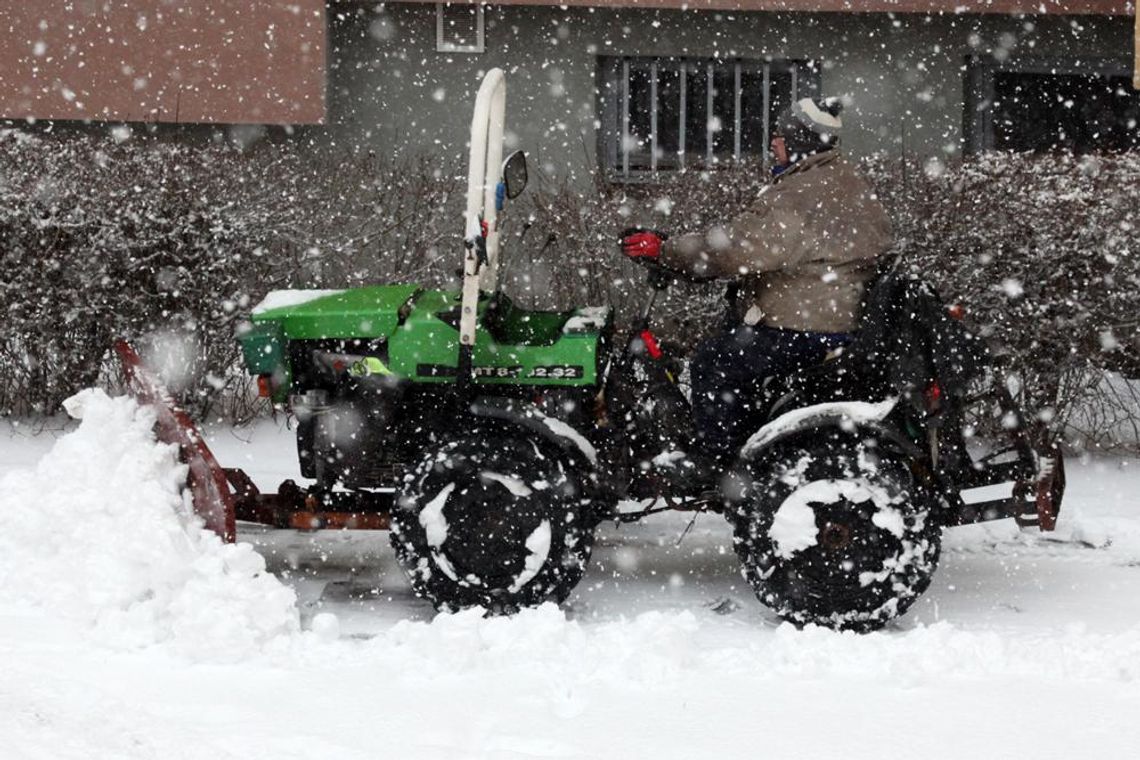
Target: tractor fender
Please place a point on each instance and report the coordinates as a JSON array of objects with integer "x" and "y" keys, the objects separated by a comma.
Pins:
[
  {"x": 854, "y": 418},
  {"x": 530, "y": 418}
]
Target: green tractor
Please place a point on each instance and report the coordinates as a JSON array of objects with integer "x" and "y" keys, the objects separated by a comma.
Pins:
[{"x": 493, "y": 440}]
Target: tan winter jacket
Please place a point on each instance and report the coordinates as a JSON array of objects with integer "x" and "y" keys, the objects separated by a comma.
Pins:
[{"x": 803, "y": 250}]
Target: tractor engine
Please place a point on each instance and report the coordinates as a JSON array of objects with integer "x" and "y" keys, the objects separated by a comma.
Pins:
[{"x": 347, "y": 414}]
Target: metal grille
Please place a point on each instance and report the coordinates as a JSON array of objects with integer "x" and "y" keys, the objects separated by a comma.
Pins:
[
  {"x": 459, "y": 28},
  {"x": 676, "y": 113}
]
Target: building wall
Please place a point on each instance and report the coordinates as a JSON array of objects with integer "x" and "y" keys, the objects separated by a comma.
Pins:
[
  {"x": 154, "y": 61},
  {"x": 903, "y": 75}
]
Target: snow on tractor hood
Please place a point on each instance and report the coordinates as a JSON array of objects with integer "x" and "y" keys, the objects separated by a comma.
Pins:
[
  {"x": 368, "y": 312},
  {"x": 284, "y": 299}
]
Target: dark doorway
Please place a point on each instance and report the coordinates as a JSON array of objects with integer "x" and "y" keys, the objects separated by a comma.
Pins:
[{"x": 1073, "y": 112}]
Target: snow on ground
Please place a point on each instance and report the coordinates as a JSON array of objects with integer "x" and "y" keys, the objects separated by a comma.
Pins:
[{"x": 1026, "y": 645}]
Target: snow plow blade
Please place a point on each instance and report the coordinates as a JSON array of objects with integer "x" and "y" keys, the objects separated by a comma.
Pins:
[
  {"x": 209, "y": 488},
  {"x": 222, "y": 495}
]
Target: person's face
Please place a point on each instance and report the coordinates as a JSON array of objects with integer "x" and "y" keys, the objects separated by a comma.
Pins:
[{"x": 779, "y": 150}]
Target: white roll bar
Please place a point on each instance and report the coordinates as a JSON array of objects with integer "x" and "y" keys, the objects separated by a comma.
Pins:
[{"x": 484, "y": 167}]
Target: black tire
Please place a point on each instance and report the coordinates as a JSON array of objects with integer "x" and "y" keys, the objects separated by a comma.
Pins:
[
  {"x": 475, "y": 511},
  {"x": 837, "y": 567}
]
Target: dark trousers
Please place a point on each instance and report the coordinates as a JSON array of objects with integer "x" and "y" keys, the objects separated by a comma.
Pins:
[{"x": 730, "y": 371}]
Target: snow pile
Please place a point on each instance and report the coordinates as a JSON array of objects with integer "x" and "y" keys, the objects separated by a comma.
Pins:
[
  {"x": 541, "y": 643},
  {"x": 658, "y": 648},
  {"x": 99, "y": 532}
]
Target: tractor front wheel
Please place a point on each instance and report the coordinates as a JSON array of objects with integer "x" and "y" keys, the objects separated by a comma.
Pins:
[{"x": 492, "y": 521}]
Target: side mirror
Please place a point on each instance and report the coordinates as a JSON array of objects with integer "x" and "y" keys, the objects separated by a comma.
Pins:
[{"x": 514, "y": 174}]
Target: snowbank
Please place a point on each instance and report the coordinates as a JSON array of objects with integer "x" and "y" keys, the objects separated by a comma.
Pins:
[
  {"x": 662, "y": 647},
  {"x": 98, "y": 532}
]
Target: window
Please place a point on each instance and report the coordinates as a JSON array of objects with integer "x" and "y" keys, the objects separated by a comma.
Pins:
[
  {"x": 1040, "y": 105},
  {"x": 672, "y": 113},
  {"x": 458, "y": 28}
]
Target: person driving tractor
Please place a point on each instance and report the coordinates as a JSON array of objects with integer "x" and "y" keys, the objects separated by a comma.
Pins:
[{"x": 801, "y": 254}]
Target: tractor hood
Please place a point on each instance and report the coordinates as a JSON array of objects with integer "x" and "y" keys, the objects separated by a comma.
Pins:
[
  {"x": 369, "y": 312},
  {"x": 415, "y": 333}
]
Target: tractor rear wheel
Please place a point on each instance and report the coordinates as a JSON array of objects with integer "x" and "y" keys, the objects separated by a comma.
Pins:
[
  {"x": 837, "y": 533},
  {"x": 492, "y": 521}
]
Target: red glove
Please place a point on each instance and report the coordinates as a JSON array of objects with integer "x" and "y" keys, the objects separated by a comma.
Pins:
[{"x": 642, "y": 245}]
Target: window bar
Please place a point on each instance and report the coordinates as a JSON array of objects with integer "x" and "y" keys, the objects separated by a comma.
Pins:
[
  {"x": 736, "y": 118},
  {"x": 625, "y": 118},
  {"x": 767, "y": 113},
  {"x": 681, "y": 131},
  {"x": 709, "y": 114},
  {"x": 795, "y": 95},
  {"x": 653, "y": 116}
]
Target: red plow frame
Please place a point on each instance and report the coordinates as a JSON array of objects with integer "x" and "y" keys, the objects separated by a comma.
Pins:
[
  {"x": 221, "y": 496},
  {"x": 209, "y": 488}
]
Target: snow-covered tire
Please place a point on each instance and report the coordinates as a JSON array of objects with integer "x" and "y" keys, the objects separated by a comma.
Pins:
[
  {"x": 838, "y": 532},
  {"x": 492, "y": 521}
]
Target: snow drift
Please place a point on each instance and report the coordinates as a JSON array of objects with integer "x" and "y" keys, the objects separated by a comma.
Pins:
[{"x": 99, "y": 532}]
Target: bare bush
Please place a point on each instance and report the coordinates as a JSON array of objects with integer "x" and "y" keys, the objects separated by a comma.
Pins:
[
  {"x": 1043, "y": 252},
  {"x": 172, "y": 244},
  {"x": 169, "y": 245}
]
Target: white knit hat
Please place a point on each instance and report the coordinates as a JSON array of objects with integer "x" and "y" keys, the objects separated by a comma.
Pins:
[
  {"x": 819, "y": 117},
  {"x": 809, "y": 125}
]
